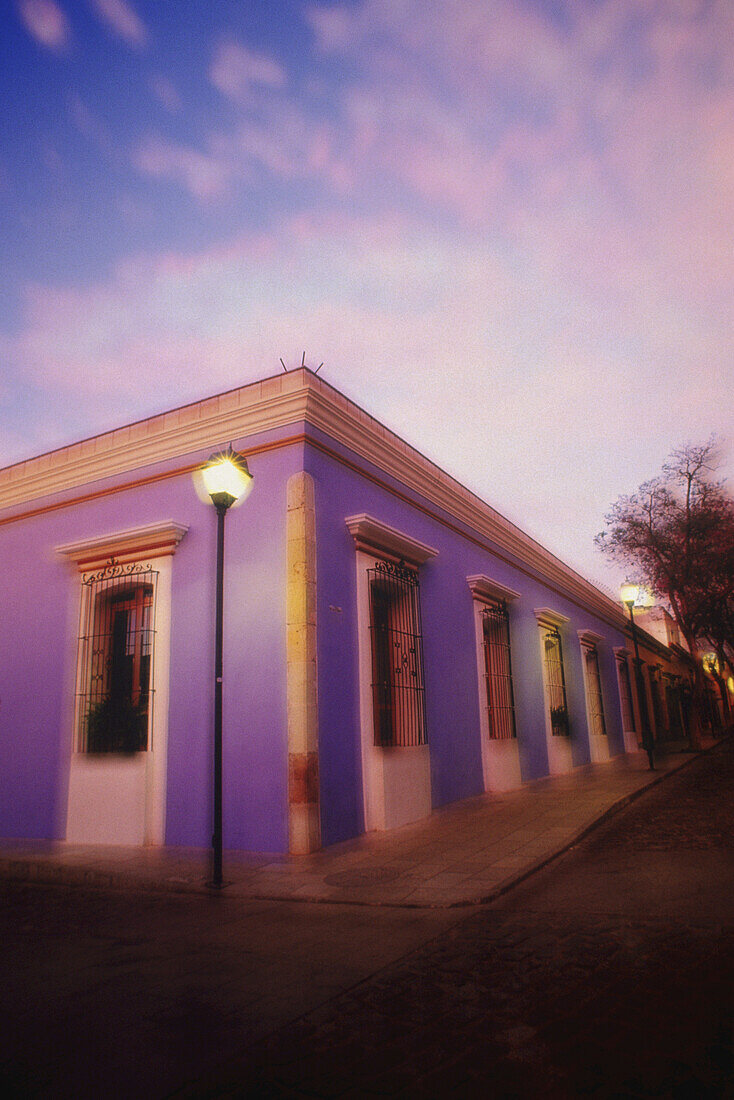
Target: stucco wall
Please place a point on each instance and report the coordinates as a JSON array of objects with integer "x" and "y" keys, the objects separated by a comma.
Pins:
[
  {"x": 452, "y": 695},
  {"x": 38, "y": 647}
]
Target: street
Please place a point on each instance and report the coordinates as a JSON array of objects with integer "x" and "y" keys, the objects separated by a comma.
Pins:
[{"x": 609, "y": 973}]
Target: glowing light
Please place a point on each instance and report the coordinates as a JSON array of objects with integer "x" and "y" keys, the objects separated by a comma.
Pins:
[
  {"x": 710, "y": 663},
  {"x": 629, "y": 592},
  {"x": 226, "y": 477}
]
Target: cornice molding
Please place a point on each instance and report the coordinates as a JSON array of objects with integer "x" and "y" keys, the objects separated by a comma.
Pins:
[
  {"x": 621, "y": 653},
  {"x": 547, "y": 617},
  {"x": 203, "y": 425},
  {"x": 345, "y": 422},
  {"x": 589, "y": 637},
  {"x": 274, "y": 403},
  {"x": 154, "y": 540},
  {"x": 484, "y": 588},
  {"x": 371, "y": 535}
]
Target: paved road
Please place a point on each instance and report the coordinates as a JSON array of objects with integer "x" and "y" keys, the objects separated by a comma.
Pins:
[{"x": 611, "y": 973}]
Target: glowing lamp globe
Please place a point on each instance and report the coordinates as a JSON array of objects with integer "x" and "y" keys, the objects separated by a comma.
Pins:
[
  {"x": 629, "y": 593},
  {"x": 227, "y": 478},
  {"x": 711, "y": 663}
]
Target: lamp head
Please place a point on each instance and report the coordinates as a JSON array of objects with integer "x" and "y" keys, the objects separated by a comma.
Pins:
[
  {"x": 710, "y": 663},
  {"x": 629, "y": 593},
  {"x": 226, "y": 478}
]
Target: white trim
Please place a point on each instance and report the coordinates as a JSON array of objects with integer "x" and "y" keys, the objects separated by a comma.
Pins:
[
  {"x": 623, "y": 658},
  {"x": 598, "y": 743},
  {"x": 547, "y": 617},
  {"x": 560, "y": 752},
  {"x": 589, "y": 638},
  {"x": 484, "y": 588},
  {"x": 150, "y": 540},
  {"x": 295, "y": 398},
  {"x": 202, "y": 425},
  {"x": 373, "y": 536},
  {"x": 396, "y": 782},
  {"x": 500, "y": 759},
  {"x": 122, "y": 799}
]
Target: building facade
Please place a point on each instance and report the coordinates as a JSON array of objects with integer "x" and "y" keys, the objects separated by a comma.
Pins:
[{"x": 391, "y": 643}]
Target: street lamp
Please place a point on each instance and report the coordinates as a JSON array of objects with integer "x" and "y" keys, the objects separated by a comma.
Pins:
[
  {"x": 227, "y": 480},
  {"x": 710, "y": 663},
  {"x": 629, "y": 593}
]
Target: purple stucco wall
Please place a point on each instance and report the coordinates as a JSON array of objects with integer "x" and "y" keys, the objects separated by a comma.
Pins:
[
  {"x": 452, "y": 697},
  {"x": 38, "y": 652}
]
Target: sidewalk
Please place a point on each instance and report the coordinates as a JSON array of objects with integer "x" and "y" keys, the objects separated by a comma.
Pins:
[{"x": 463, "y": 854}]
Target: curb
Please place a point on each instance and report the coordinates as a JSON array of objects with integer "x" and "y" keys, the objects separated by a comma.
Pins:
[
  {"x": 606, "y": 815},
  {"x": 46, "y": 872}
]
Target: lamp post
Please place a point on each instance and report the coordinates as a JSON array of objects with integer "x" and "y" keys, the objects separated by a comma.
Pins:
[
  {"x": 227, "y": 480},
  {"x": 629, "y": 593}
]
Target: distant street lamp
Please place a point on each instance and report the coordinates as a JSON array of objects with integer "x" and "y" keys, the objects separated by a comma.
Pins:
[
  {"x": 710, "y": 663},
  {"x": 629, "y": 594},
  {"x": 227, "y": 480}
]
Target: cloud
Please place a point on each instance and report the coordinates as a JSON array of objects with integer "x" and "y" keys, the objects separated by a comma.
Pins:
[
  {"x": 519, "y": 387},
  {"x": 205, "y": 176},
  {"x": 123, "y": 21},
  {"x": 165, "y": 91},
  {"x": 524, "y": 227},
  {"x": 46, "y": 22},
  {"x": 235, "y": 70}
]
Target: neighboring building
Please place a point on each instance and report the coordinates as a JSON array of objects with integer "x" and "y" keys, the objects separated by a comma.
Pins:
[
  {"x": 392, "y": 643},
  {"x": 667, "y": 676}
]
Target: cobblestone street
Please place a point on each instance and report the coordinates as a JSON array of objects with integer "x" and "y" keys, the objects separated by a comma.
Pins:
[{"x": 609, "y": 974}]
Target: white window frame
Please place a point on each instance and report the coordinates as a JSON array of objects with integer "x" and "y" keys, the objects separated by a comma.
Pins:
[
  {"x": 500, "y": 758},
  {"x": 120, "y": 798},
  {"x": 589, "y": 642},
  {"x": 623, "y": 659},
  {"x": 396, "y": 780},
  {"x": 560, "y": 752}
]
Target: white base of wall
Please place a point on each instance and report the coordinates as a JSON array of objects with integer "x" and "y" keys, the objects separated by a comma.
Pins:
[
  {"x": 402, "y": 787},
  {"x": 501, "y": 763},
  {"x": 560, "y": 755},
  {"x": 630, "y": 741},
  {"x": 598, "y": 748},
  {"x": 107, "y": 799}
]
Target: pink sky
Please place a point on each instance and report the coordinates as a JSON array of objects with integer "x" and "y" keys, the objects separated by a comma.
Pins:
[{"x": 505, "y": 227}]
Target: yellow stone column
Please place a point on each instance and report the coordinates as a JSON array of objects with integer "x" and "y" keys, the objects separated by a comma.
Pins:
[{"x": 304, "y": 827}]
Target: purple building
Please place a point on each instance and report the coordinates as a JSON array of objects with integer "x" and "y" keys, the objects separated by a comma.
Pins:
[{"x": 391, "y": 643}]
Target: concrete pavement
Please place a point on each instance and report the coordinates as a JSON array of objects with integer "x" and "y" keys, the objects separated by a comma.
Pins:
[{"x": 464, "y": 854}]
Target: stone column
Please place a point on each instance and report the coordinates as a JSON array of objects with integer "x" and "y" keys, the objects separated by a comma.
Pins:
[{"x": 304, "y": 828}]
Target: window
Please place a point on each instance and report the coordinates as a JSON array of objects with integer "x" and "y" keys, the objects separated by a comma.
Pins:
[
  {"x": 657, "y": 706},
  {"x": 625, "y": 692},
  {"x": 555, "y": 679},
  {"x": 673, "y": 707},
  {"x": 398, "y": 697},
  {"x": 498, "y": 671},
  {"x": 116, "y": 655},
  {"x": 597, "y": 725}
]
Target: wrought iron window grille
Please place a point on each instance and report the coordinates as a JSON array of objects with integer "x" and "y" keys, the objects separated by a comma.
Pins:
[
  {"x": 556, "y": 681},
  {"x": 628, "y": 710},
  {"x": 593, "y": 684},
  {"x": 398, "y": 692},
  {"x": 116, "y": 650},
  {"x": 498, "y": 671}
]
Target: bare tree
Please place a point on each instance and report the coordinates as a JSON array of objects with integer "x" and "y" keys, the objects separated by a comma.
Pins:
[{"x": 677, "y": 533}]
